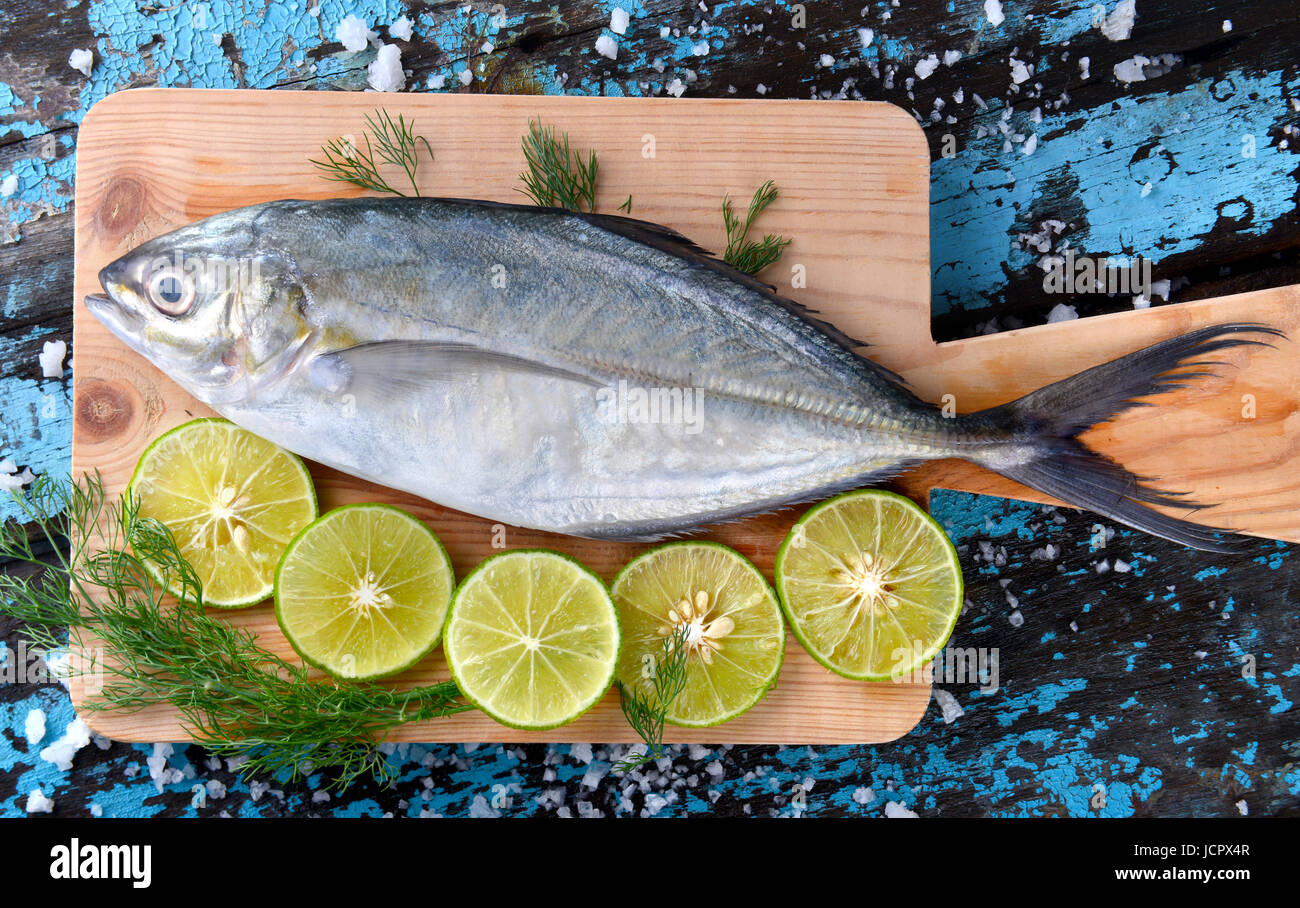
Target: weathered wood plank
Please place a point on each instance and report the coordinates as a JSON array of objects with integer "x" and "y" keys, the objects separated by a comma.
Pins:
[{"x": 1189, "y": 739}]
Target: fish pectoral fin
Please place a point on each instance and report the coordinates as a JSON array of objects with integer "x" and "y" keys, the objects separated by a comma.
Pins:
[{"x": 385, "y": 367}]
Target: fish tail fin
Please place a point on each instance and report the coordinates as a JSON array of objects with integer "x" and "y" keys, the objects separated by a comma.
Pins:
[{"x": 1048, "y": 421}]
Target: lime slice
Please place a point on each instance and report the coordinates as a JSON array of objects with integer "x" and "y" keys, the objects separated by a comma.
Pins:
[
  {"x": 232, "y": 500},
  {"x": 532, "y": 638},
  {"x": 734, "y": 633},
  {"x": 870, "y": 583},
  {"x": 363, "y": 592}
]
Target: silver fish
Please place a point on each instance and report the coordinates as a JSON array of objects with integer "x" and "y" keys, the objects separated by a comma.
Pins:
[{"x": 587, "y": 374}]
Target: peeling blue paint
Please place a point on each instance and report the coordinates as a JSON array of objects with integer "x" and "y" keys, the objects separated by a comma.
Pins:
[
  {"x": 1198, "y": 132},
  {"x": 1199, "y": 137}
]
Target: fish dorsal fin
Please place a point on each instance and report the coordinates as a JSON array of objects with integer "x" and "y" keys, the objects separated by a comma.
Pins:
[{"x": 381, "y": 369}]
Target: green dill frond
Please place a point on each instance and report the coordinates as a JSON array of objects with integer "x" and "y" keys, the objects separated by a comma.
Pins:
[
  {"x": 742, "y": 253},
  {"x": 395, "y": 144},
  {"x": 233, "y": 695},
  {"x": 557, "y": 176},
  {"x": 646, "y": 711}
]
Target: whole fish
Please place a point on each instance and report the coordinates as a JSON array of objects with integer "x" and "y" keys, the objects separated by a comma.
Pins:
[{"x": 587, "y": 374}]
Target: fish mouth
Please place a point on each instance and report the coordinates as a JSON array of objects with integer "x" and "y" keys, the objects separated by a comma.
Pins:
[{"x": 117, "y": 318}]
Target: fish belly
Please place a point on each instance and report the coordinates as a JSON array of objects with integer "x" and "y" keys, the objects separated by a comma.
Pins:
[{"x": 615, "y": 461}]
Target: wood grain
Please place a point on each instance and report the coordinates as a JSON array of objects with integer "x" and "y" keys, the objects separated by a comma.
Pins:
[
  {"x": 854, "y": 195},
  {"x": 1231, "y": 441}
]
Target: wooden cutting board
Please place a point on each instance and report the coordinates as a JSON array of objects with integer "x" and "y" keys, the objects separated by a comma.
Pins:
[{"x": 854, "y": 182}]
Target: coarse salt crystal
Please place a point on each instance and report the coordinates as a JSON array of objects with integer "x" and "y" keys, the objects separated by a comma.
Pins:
[
  {"x": 1132, "y": 69},
  {"x": 1119, "y": 24},
  {"x": 1061, "y": 313},
  {"x": 9, "y": 185},
  {"x": 950, "y": 57},
  {"x": 162, "y": 774},
  {"x": 34, "y": 727},
  {"x": 865, "y": 36},
  {"x": 675, "y": 88},
  {"x": 51, "y": 358},
  {"x": 948, "y": 703},
  {"x": 926, "y": 66},
  {"x": 385, "y": 72},
  {"x": 993, "y": 12},
  {"x": 14, "y": 483},
  {"x": 894, "y": 810},
  {"x": 61, "y": 752},
  {"x": 38, "y": 803},
  {"x": 401, "y": 29},
  {"x": 654, "y": 803},
  {"x": 81, "y": 60},
  {"x": 607, "y": 47},
  {"x": 618, "y": 21},
  {"x": 353, "y": 33},
  {"x": 1019, "y": 71},
  {"x": 466, "y": 77}
]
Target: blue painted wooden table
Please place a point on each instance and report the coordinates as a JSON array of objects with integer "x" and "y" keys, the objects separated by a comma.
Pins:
[{"x": 1134, "y": 678}]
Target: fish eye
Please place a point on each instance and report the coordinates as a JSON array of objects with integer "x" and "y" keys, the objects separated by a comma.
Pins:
[{"x": 171, "y": 290}]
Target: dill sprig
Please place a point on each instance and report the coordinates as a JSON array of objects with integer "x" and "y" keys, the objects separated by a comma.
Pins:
[
  {"x": 395, "y": 144},
  {"x": 646, "y": 711},
  {"x": 557, "y": 176},
  {"x": 234, "y": 696},
  {"x": 742, "y": 253}
]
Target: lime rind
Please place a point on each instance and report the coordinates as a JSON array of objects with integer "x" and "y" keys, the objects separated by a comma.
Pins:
[
  {"x": 438, "y": 565},
  {"x": 308, "y": 495},
  {"x": 909, "y": 653},
  {"x": 761, "y": 622},
  {"x": 459, "y": 640}
]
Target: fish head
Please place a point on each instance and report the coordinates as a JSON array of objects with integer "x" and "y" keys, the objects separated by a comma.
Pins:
[{"x": 218, "y": 311}]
